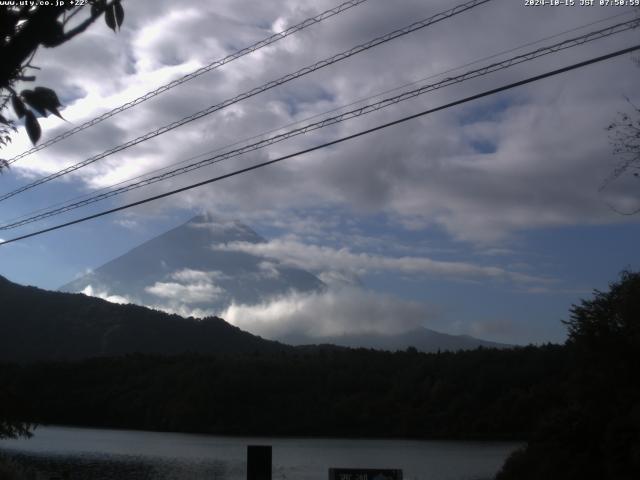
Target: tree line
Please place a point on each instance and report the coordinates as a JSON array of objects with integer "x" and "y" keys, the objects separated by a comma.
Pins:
[
  {"x": 322, "y": 391},
  {"x": 577, "y": 404}
]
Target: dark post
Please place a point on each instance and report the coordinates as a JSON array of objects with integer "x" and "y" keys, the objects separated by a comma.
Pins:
[{"x": 259, "y": 462}]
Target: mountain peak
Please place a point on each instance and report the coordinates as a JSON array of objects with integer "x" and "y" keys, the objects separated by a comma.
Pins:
[
  {"x": 184, "y": 271},
  {"x": 223, "y": 230}
]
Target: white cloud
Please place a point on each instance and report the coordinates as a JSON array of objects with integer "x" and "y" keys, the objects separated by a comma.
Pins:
[
  {"x": 550, "y": 153},
  {"x": 183, "y": 310},
  {"x": 332, "y": 312},
  {"x": 336, "y": 278},
  {"x": 91, "y": 292},
  {"x": 195, "y": 287},
  {"x": 127, "y": 223},
  {"x": 158, "y": 43},
  {"x": 198, "y": 292},
  {"x": 188, "y": 275},
  {"x": 86, "y": 271},
  {"x": 322, "y": 258},
  {"x": 268, "y": 269},
  {"x": 176, "y": 304}
]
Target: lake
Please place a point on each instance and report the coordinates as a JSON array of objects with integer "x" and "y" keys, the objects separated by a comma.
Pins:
[{"x": 101, "y": 454}]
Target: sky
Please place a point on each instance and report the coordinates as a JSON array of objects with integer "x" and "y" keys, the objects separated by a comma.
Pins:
[{"x": 486, "y": 219}]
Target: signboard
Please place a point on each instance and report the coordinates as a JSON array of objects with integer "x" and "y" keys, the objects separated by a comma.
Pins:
[{"x": 364, "y": 474}]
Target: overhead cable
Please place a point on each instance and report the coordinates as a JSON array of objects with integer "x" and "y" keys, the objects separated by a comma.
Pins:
[
  {"x": 190, "y": 76},
  {"x": 354, "y": 113},
  {"x": 317, "y": 115},
  {"x": 255, "y": 91},
  {"x": 327, "y": 144}
]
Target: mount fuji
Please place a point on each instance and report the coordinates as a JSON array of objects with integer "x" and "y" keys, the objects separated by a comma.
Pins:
[
  {"x": 184, "y": 271},
  {"x": 181, "y": 272}
]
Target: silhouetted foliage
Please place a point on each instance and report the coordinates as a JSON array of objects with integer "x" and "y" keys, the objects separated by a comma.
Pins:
[
  {"x": 596, "y": 434},
  {"x": 39, "y": 325},
  {"x": 608, "y": 325},
  {"x": 12, "y": 470},
  {"x": 624, "y": 135},
  {"x": 12, "y": 413},
  {"x": 23, "y": 29},
  {"x": 326, "y": 391},
  {"x": 578, "y": 404},
  {"x": 247, "y": 385}
]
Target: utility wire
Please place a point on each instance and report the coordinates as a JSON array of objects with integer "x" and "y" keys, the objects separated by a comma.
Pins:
[
  {"x": 207, "y": 68},
  {"x": 255, "y": 91},
  {"x": 363, "y": 110},
  {"x": 333, "y": 142},
  {"x": 326, "y": 112},
  {"x": 317, "y": 115}
]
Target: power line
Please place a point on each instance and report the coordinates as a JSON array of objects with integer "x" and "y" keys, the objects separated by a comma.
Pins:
[
  {"x": 326, "y": 112},
  {"x": 207, "y": 68},
  {"x": 333, "y": 142},
  {"x": 317, "y": 115},
  {"x": 255, "y": 91},
  {"x": 363, "y": 110}
]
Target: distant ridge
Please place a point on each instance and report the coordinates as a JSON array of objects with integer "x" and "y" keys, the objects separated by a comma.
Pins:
[{"x": 422, "y": 339}]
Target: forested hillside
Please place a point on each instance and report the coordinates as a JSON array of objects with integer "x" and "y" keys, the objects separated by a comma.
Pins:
[
  {"x": 320, "y": 391},
  {"x": 37, "y": 324}
]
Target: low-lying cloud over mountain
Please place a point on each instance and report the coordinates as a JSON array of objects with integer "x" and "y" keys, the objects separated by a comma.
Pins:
[
  {"x": 209, "y": 266},
  {"x": 295, "y": 253},
  {"x": 181, "y": 272},
  {"x": 333, "y": 311}
]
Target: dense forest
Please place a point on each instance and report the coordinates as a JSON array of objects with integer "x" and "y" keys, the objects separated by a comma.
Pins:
[
  {"x": 577, "y": 405},
  {"x": 319, "y": 391}
]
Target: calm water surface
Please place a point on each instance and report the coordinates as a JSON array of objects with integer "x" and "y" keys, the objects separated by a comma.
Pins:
[{"x": 99, "y": 454}]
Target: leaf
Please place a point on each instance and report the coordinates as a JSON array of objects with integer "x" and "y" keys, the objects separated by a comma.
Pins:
[
  {"x": 32, "y": 126},
  {"x": 4, "y": 120},
  {"x": 52, "y": 34},
  {"x": 97, "y": 7},
  {"x": 42, "y": 99},
  {"x": 33, "y": 101},
  {"x": 119, "y": 12},
  {"x": 49, "y": 95},
  {"x": 48, "y": 99},
  {"x": 18, "y": 106},
  {"x": 110, "y": 18}
]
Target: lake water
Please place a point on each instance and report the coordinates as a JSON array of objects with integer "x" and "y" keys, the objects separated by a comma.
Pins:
[{"x": 100, "y": 454}]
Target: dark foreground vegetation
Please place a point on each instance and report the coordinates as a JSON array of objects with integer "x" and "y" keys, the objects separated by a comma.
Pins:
[
  {"x": 40, "y": 325},
  {"x": 577, "y": 404},
  {"x": 325, "y": 391},
  {"x": 595, "y": 432}
]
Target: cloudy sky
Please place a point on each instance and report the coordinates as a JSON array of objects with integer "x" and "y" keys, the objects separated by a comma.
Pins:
[{"x": 487, "y": 218}]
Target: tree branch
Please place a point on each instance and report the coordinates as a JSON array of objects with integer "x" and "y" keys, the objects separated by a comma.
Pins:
[{"x": 83, "y": 26}]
